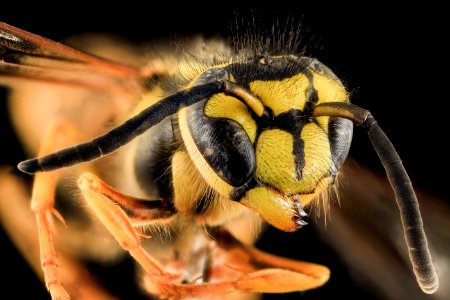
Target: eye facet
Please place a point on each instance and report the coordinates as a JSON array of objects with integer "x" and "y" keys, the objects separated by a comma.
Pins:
[
  {"x": 340, "y": 133},
  {"x": 224, "y": 144}
]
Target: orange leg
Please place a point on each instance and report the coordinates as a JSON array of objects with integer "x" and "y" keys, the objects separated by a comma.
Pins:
[
  {"x": 239, "y": 268},
  {"x": 58, "y": 134},
  {"x": 119, "y": 213},
  {"x": 279, "y": 275},
  {"x": 17, "y": 219},
  {"x": 244, "y": 269}
]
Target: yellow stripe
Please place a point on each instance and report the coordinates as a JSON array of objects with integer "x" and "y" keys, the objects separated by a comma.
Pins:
[
  {"x": 222, "y": 106},
  {"x": 317, "y": 156},
  {"x": 190, "y": 187},
  {"x": 328, "y": 90},
  {"x": 282, "y": 95},
  {"x": 187, "y": 189},
  {"x": 210, "y": 176},
  {"x": 275, "y": 161}
]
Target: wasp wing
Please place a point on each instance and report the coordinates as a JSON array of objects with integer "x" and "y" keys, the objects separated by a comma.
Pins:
[
  {"x": 28, "y": 56},
  {"x": 50, "y": 80},
  {"x": 366, "y": 231}
]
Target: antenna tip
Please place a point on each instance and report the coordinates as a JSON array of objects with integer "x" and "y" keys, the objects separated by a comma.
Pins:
[
  {"x": 29, "y": 166},
  {"x": 431, "y": 285}
]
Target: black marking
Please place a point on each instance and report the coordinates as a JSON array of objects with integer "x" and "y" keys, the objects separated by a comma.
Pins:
[
  {"x": 263, "y": 122},
  {"x": 290, "y": 121},
  {"x": 312, "y": 96},
  {"x": 203, "y": 204},
  {"x": 211, "y": 75},
  {"x": 224, "y": 144},
  {"x": 278, "y": 69},
  {"x": 319, "y": 67},
  {"x": 124, "y": 133},
  {"x": 239, "y": 192},
  {"x": 293, "y": 122},
  {"x": 153, "y": 159},
  {"x": 299, "y": 157}
]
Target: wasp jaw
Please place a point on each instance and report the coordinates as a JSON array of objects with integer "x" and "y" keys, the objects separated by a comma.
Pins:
[
  {"x": 298, "y": 218},
  {"x": 303, "y": 213},
  {"x": 302, "y": 222}
]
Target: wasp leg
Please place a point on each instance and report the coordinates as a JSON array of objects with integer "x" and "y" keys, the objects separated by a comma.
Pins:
[
  {"x": 120, "y": 213},
  {"x": 240, "y": 268},
  {"x": 17, "y": 219},
  {"x": 59, "y": 133},
  {"x": 275, "y": 274}
]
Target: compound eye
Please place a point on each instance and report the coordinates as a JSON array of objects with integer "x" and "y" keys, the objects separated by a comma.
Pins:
[
  {"x": 340, "y": 130},
  {"x": 340, "y": 133},
  {"x": 224, "y": 144}
]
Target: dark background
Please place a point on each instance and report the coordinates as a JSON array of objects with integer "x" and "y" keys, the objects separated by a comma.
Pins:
[{"x": 392, "y": 60}]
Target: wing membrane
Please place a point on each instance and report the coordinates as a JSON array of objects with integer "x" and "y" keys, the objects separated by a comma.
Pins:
[{"x": 28, "y": 56}]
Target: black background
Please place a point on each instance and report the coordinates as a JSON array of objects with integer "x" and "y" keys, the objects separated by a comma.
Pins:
[{"x": 391, "y": 59}]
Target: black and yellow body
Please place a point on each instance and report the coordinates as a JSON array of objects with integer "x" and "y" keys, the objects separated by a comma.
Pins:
[
  {"x": 211, "y": 148},
  {"x": 272, "y": 164}
]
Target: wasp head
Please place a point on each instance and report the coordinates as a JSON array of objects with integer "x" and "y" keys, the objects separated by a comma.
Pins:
[{"x": 284, "y": 157}]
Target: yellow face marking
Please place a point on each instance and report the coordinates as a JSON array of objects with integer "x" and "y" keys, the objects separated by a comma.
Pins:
[
  {"x": 328, "y": 90},
  {"x": 323, "y": 122},
  {"x": 317, "y": 154},
  {"x": 324, "y": 183},
  {"x": 275, "y": 161},
  {"x": 189, "y": 187},
  {"x": 272, "y": 206},
  {"x": 282, "y": 95},
  {"x": 222, "y": 106},
  {"x": 213, "y": 180}
]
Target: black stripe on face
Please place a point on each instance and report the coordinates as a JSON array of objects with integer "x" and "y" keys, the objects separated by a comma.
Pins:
[
  {"x": 293, "y": 121},
  {"x": 312, "y": 96}
]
